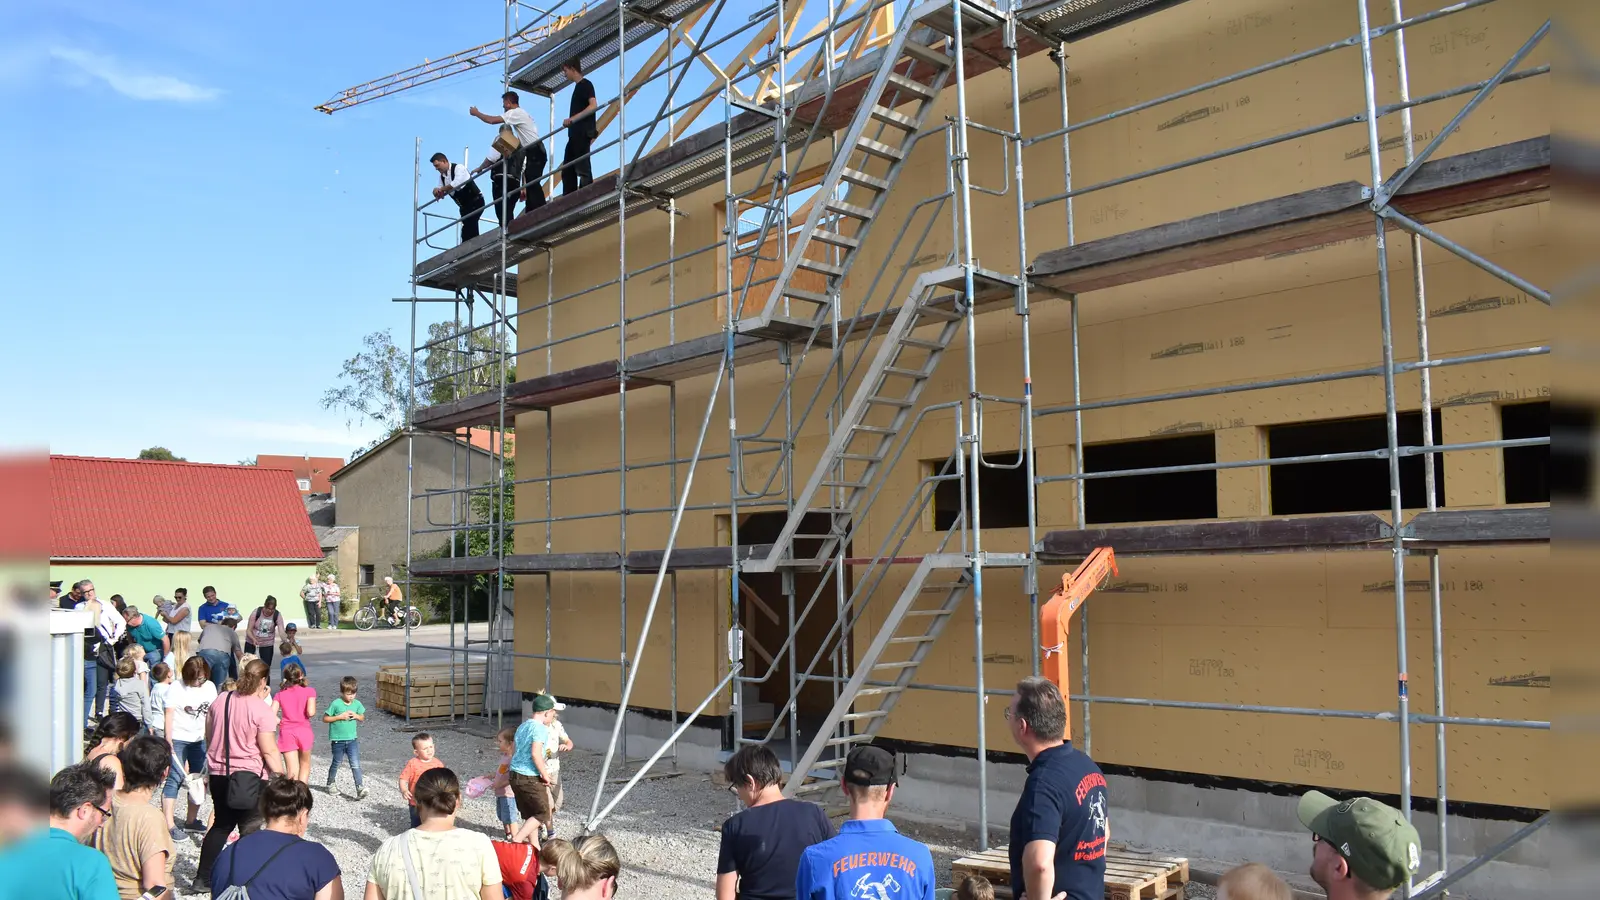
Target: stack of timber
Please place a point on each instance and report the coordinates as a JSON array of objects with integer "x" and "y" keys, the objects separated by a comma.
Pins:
[
  {"x": 431, "y": 690},
  {"x": 1130, "y": 874}
]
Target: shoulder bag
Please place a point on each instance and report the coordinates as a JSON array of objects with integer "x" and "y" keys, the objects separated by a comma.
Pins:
[
  {"x": 244, "y": 788},
  {"x": 411, "y": 870}
]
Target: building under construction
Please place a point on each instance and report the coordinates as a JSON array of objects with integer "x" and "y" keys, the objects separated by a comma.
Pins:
[{"x": 879, "y": 317}]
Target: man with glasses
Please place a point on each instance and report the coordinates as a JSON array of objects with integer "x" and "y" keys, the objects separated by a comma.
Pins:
[
  {"x": 1060, "y": 826},
  {"x": 1360, "y": 849},
  {"x": 53, "y": 862}
]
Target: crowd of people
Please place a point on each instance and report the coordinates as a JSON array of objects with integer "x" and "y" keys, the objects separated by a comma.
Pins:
[
  {"x": 109, "y": 826},
  {"x": 518, "y": 157}
]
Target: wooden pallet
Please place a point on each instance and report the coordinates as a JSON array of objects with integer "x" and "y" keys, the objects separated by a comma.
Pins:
[
  {"x": 1130, "y": 874},
  {"x": 432, "y": 695}
]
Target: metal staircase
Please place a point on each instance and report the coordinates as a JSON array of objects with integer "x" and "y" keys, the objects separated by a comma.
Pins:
[
  {"x": 907, "y": 634},
  {"x": 883, "y": 404},
  {"x": 913, "y": 70}
]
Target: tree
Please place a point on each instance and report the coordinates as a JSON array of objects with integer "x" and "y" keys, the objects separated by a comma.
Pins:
[
  {"x": 247, "y": 461},
  {"x": 160, "y": 453},
  {"x": 374, "y": 384}
]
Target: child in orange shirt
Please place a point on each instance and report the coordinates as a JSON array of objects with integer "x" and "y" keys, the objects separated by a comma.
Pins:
[{"x": 422, "y": 760}]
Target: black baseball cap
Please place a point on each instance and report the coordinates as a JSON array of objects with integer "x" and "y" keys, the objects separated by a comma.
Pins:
[{"x": 869, "y": 766}]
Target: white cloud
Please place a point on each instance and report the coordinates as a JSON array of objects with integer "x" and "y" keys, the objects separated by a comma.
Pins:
[{"x": 129, "y": 81}]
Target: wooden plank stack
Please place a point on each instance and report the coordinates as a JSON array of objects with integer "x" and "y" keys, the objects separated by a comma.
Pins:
[
  {"x": 1130, "y": 874},
  {"x": 431, "y": 690}
]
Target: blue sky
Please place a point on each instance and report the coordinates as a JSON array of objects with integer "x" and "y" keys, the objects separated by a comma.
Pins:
[{"x": 190, "y": 250}]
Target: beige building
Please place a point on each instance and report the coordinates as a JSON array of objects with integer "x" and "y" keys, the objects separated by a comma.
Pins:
[
  {"x": 1239, "y": 584},
  {"x": 369, "y": 495}
]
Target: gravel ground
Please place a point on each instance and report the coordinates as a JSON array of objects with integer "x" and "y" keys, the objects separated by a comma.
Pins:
[{"x": 665, "y": 830}]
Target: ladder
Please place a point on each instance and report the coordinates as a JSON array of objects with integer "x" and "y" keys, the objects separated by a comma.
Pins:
[
  {"x": 912, "y": 71},
  {"x": 907, "y": 634},
  {"x": 883, "y": 403}
]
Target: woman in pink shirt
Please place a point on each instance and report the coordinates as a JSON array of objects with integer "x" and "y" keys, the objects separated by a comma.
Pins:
[
  {"x": 241, "y": 736},
  {"x": 298, "y": 701}
]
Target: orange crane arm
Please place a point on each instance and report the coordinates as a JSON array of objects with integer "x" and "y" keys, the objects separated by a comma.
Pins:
[{"x": 1056, "y": 615}]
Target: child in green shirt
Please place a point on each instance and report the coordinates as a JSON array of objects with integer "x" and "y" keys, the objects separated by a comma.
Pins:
[{"x": 342, "y": 716}]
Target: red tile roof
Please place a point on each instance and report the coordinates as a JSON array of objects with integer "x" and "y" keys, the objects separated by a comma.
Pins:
[
  {"x": 140, "y": 509},
  {"x": 314, "y": 469}
]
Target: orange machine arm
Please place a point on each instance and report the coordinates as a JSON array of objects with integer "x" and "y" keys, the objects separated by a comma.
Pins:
[{"x": 1056, "y": 614}]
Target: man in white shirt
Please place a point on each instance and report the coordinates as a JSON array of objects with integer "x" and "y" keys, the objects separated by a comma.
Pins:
[
  {"x": 524, "y": 167},
  {"x": 456, "y": 181}
]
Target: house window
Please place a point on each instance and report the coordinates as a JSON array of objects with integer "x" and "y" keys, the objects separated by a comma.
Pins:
[
  {"x": 1002, "y": 491},
  {"x": 1151, "y": 498},
  {"x": 366, "y": 576},
  {"x": 304, "y": 483},
  {"x": 1351, "y": 485}
]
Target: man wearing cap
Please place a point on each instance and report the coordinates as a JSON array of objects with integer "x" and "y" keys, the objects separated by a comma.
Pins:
[
  {"x": 1361, "y": 849},
  {"x": 869, "y": 859},
  {"x": 1061, "y": 825}
]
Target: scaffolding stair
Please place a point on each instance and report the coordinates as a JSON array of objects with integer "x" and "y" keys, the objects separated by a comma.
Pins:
[
  {"x": 900, "y": 370},
  {"x": 902, "y": 642},
  {"x": 851, "y": 191}
]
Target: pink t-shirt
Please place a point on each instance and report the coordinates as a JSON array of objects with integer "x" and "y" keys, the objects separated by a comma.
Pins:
[
  {"x": 292, "y": 701},
  {"x": 247, "y": 718}
]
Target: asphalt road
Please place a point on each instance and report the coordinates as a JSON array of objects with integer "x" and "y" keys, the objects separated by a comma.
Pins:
[{"x": 363, "y": 651}]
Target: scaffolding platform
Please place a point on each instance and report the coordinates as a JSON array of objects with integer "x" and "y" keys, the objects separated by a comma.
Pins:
[
  {"x": 640, "y": 561},
  {"x": 692, "y": 163},
  {"x": 592, "y": 39},
  {"x": 663, "y": 365},
  {"x": 1338, "y": 531},
  {"x": 1467, "y": 184},
  {"x": 1481, "y": 181}
]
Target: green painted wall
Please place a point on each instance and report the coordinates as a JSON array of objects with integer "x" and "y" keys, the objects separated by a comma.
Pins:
[{"x": 244, "y": 586}]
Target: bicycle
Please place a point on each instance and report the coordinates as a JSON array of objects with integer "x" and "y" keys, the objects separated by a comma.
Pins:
[{"x": 370, "y": 614}]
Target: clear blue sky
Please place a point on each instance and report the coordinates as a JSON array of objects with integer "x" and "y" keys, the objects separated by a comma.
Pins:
[{"x": 190, "y": 251}]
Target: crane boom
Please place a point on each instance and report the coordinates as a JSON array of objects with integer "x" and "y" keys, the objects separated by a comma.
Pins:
[
  {"x": 1056, "y": 614},
  {"x": 430, "y": 71}
]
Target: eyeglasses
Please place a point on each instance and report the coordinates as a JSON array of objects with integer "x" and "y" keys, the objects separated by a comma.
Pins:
[
  {"x": 101, "y": 810},
  {"x": 1009, "y": 714}
]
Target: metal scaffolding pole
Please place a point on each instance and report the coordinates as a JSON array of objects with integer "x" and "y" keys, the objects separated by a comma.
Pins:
[{"x": 1429, "y": 464}]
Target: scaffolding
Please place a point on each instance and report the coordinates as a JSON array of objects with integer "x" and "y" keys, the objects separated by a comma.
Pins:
[{"x": 849, "y": 90}]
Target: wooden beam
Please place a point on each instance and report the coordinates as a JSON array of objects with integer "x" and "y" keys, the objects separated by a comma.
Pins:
[
  {"x": 1348, "y": 530},
  {"x": 1468, "y": 184},
  {"x": 1457, "y": 527}
]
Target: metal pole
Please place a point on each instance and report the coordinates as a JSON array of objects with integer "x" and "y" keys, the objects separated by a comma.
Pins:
[
  {"x": 622, "y": 381},
  {"x": 974, "y": 410},
  {"x": 1079, "y": 504},
  {"x": 655, "y": 594},
  {"x": 411, "y": 405},
  {"x": 1031, "y": 573},
  {"x": 1391, "y": 419},
  {"x": 549, "y": 488},
  {"x": 1429, "y": 473}
]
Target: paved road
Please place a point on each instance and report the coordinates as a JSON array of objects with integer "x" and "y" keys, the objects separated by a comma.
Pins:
[{"x": 364, "y": 651}]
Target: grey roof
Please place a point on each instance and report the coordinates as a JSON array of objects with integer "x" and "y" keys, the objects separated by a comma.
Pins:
[{"x": 332, "y": 536}]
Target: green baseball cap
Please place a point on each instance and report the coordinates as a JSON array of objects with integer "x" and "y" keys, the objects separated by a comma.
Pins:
[{"x": 1374, "y": 838}]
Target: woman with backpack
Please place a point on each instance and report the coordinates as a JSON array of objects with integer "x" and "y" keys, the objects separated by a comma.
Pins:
[
  {"x": 277, "y": 862},
  {"x": 261, "y": 634}
]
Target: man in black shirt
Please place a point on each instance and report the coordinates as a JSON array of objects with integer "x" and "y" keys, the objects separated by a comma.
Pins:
[
  {"x": 455, "y": 180},
  {"x": 761, "y": 846},
  {"x": 581, "y": 131},
  {"x": 1060, "y": 827}
]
